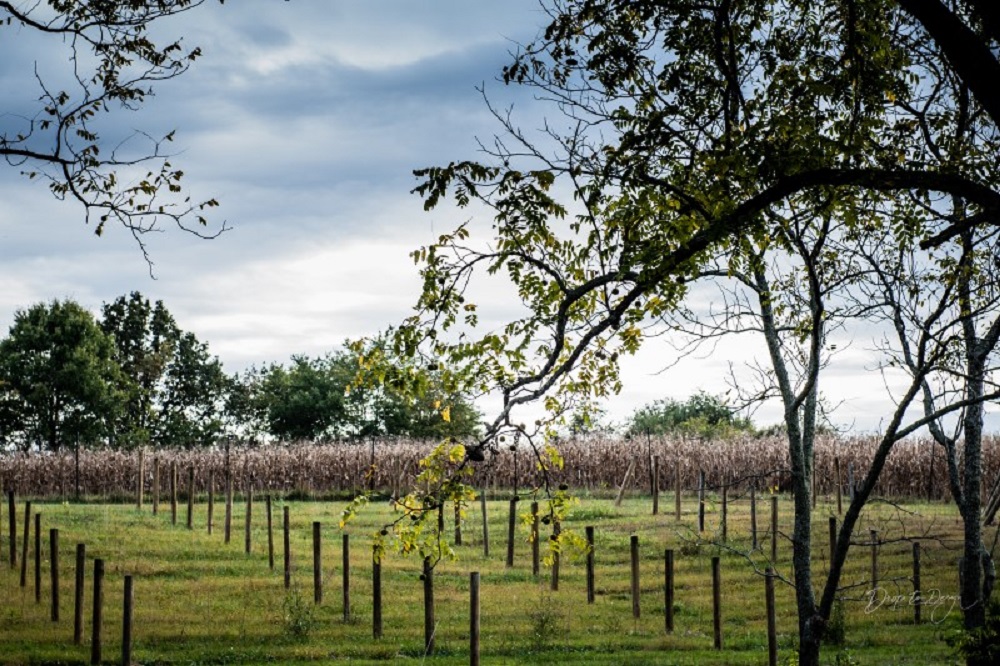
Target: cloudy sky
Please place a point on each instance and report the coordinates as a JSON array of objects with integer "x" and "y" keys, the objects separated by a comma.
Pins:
[{"x": 305, "y": 119}]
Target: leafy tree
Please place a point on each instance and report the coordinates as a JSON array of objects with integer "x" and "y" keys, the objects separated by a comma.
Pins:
[
  {"x": 176, "y": 390},
  {"x": 694, "y": 136},
  {"x": 145, "y": 338},
  {"x": 702, "y": 415},
  {"x": 193, "y": 400},
  {"x": 305, "y": 401},
  {"x": 61, "y": 383},
  {"x": 114, "y": 55}
]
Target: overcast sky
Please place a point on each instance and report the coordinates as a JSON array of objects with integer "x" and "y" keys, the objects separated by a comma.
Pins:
[{"x": 305, "y": 119}]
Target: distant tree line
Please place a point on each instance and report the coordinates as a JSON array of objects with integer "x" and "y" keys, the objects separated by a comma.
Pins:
[{"x": 132, "y": 377}]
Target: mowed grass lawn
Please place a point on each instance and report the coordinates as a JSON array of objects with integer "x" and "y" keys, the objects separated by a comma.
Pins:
[{"x": 201, "y": 601}]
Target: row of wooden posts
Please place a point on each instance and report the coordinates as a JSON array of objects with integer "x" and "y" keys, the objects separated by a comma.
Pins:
[
  {"x": 97, "y": 615},
  {"x": 376, "y": 571}
]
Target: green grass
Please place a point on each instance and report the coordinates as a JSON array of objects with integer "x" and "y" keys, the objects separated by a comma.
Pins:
[{"x": 200, "y": 601}]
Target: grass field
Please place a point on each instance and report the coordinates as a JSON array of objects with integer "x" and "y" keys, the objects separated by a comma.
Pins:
[{"x": 200, "y": 601}]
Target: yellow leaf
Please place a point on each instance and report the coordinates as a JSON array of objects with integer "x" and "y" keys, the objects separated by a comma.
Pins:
[{"x": 446, "y": 414}]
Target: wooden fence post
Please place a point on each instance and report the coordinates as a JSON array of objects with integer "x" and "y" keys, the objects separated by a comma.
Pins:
[
  {"x": 628, "y": 475},
  {"x": 270, "y": 534},
  {"x": 190, "y": 498},
  {"x": 428, "y": 578},
  {"x": 156, "y": 485},
  {"x": 511, "y": 522},
  {"x": 774, "y": 528},
  {"x": 24, "y": 546},
  {"x": 556, "y": 531},
  {"x": 753, "y": 519},
  {"x": 317, "y": 564},
  {"x": 474, "y": 618},
  {"x": 54, "y": 571},
  {"x": 288, "y": 550},
  {"x": 836, "y": 481},
  {"x": 38, "y": 558},
  {"x": 772, "y": 624},
  {"x": 486, "y": 524},
  {"x": 535, "y": 546},
  {"x": 701, "y": 501},
  {"x": 725, "y": 513},
  {"x": 717, "y": 603},
  {"x": 96, "y": 619},
  {"x": 173, "y": 493},
  {"x": 634, "y": 551},
  {"x": 140, "y": 480},
  {"x": 376, "y": 593},
  {"x": 668, "y": 589},
  {"x": 12, "y": 519},
  {"x": 656, "y": 485},
  {"x": 81, "y": 562},
  {"x": 833, "y": 538},
  {"x": 228, "y": 527},
  {"x": 127, "y": 622},
  {"x": 589, "y": 530},
  {"x": 247, "y": 540},
  {"x": 211, "y": 500},
  {"x": 346, "y": 565},
  {"x": 917, "y": 601},
  {"x": 458, "y": 522},
  {"x": 677, "y": 491}
]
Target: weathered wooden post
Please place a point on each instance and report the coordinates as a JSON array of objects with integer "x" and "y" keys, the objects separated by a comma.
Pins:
[
  {"x": 458, "y": 522},
  {"x": 127, "y": 622},
  {"x": 140, "y": 486},
  {"x": 211, "y": 500},
  {"x": 717, "y": 603},
  {"x": 346, "y": 565},
  {"x": 725, "y": 513},
  {"x": 701, "y": 501},
  {"x": 474, "y": 618},
  {"x": 376, "y": 593},
  {"x": 24, "y": 546},
  {"x": 753, "y": 519},
  {"x": 774, "y": 528},
  {"x": 81, "y": 562},
  {"x": 556, "y": 531},
  {"x": 668, "y": 589},
  {"x": 589, "y": 530},
  {"x": 38, "y": 558},
  {"x": 656, "y": 485},
  {"x": 317, "y": 565},
  {"x": 677, "y": 491},
  {"x": 96, "y": 620},
  {"x": 772, "y": 621},
  {"x": 270, "y": 534},
  {"x": 511, "y": 523},
  {"x": 288, "y": 550},
  {"x": 12, "y": 519},
  {"x": 917, "y": 601},
  {"x": 248, "y": 523},
  {"x": 190, "y": 498},
  {"x": 836, "y": 481},
  {"x": 634, "y": 552},
  {"x": 486, "y": 523},
  {"x": 428, "y": 578},
  {"x": 173, "y": 493},
  {"x": 54, "y": 571},
  {"x": 156, "y": 485}
]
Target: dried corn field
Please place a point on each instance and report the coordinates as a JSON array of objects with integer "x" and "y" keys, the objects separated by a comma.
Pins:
[{"x": 916, "y": 468}]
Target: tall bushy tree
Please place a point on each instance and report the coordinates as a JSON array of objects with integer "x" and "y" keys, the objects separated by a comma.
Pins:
[
  {"x": 61, "y": 382},
  {"x": 145, "y": 338}
]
